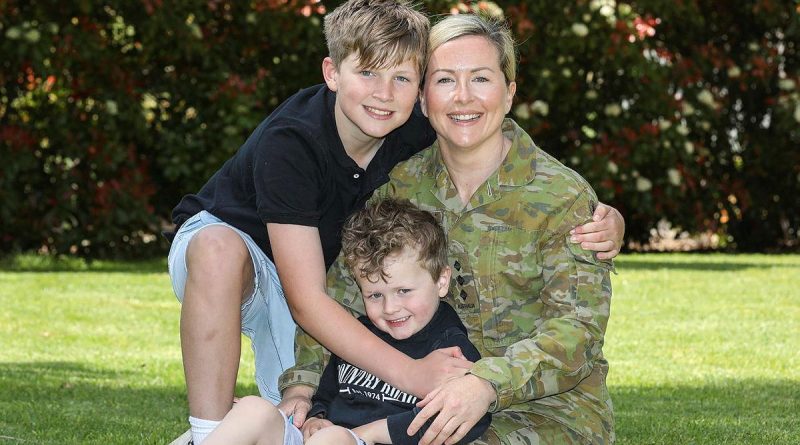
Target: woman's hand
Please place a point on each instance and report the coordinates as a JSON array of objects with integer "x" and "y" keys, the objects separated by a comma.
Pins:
[
  {"x": 435, "y": 369},
  {"x": 312, "y": 425},
  {"x": 604, "y": 234},
  {"x": 296, "y": 403},
  {"x": 460, "y": 404}
]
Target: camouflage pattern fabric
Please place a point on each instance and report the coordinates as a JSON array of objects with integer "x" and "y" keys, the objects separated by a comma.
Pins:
[{"x": 535, "y": 304}]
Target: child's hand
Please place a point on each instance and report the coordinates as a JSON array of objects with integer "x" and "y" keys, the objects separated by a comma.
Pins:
[
  {"x": 296, "y": 402},
  {"x": 312, "y": 425},
  {"x": 375, "y": 432}
]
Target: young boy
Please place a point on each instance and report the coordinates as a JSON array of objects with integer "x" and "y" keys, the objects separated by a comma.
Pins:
[
  {"x": 278, "y": 205},
  {"x": 398, "y": 256}
]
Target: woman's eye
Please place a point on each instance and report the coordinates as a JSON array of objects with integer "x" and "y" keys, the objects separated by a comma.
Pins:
[
  {"x": 444, "y": 80},
  {"x": 481, "y": 79}
]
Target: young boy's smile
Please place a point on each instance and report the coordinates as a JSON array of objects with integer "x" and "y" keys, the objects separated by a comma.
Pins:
[
  {"x": 370, "y": 103},
  {"x": 407, "y": 300}
]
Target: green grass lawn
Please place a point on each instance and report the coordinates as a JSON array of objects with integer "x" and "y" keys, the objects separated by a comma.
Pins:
[{"x": 703, "y": 350}]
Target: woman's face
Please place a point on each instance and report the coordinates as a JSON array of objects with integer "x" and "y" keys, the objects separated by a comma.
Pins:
[{"x": 465, "y": 95}]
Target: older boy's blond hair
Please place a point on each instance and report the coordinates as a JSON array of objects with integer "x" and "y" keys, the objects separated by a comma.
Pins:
[{"x": 381, "y": 33}]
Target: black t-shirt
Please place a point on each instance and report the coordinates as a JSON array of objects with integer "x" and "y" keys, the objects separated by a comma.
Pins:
[
  {"x": 293, "y": 169},
  {"x": 348, "y": 396}
]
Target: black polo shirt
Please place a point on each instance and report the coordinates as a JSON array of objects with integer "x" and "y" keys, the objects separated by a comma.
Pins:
[{"x": 293, "y": 170}]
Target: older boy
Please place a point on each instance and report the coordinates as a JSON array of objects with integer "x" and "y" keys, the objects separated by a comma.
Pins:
[
  {"x": 398, "y": 256},
  {"x": 305, "y": 168}
]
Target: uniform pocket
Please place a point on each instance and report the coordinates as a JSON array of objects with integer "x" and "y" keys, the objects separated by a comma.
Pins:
[{"x": 511, "y": 280}]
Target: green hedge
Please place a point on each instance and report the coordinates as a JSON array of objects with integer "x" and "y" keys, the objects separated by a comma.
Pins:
[{"x": 110, "y": 111}]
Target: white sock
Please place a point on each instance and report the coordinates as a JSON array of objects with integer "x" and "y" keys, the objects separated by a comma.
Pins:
[{"x": 201, "y": 428}]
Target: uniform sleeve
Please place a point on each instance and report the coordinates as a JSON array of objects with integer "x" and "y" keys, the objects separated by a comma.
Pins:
[
  {"x": 326, "y": 391},
  {"x": 562, "y": 348},
  {"x": 309, "y": 354},
  {"x": 309, "y": 358},
  {"x": 398, "y": 423}
]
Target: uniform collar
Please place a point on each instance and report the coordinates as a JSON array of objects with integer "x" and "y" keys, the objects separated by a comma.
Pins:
[{"x": 517, "y": 169}]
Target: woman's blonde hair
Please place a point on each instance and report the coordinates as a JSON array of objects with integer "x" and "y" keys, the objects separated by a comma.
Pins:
[{"x": 494, "y": 30}]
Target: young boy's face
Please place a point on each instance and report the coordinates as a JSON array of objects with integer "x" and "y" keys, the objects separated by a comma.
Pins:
[
  {"x": 406, "y": 302},
  {"x": 370, "y": 103}
]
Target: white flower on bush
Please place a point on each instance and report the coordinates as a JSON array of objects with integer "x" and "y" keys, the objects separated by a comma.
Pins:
[
  {"x": 797, "y": 113},
  {"x": 683, "y": 130},
  {"x": 786, "y": 84},
  {"x": 689, "y": 147},
  {"x": 111, "y": 107},
  {"x": 612, "y": 168},
  {"x": 643, "y": 184},
  {"x": 663, "y": 124},
  {"x": 149, "y": 101},
  {"x": 540, "y": 107},
  {"x": 580, "y": 30},
  {"x": 734, "y": 72},
  {"x": 688, "y": 109},
  {"x": 706, "y": 98},
  {"x": 674, "y": 176},
  {"x": 591, "y": 94},
  {"x": 612, "y": 110},
  {"x": 522, "y": 111}
]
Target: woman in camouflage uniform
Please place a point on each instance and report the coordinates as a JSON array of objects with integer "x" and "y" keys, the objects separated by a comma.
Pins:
[{"x": 535, "y": 304}]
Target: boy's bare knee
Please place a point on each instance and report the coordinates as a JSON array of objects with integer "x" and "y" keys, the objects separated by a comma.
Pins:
[
  {"x": 260, "y": 410},
  {"x": 216, "y": 244},
  {"x": 218, "y": 258},
  {"x": 332, "y": 435}
]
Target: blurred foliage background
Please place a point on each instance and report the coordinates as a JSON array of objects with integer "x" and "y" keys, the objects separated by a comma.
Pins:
[{"x": 683, "y": 114}]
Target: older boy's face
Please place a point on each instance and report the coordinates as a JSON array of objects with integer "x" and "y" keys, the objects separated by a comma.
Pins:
[
  {"x": 406, "y": 302},
  {"x": 370, "y": 103}
]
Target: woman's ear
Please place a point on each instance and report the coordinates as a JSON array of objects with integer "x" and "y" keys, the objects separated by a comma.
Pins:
[
  {"x": 422, "y": 105},
  {"x": 512, "y": 89},
  {"x": 331, "y": 74}
]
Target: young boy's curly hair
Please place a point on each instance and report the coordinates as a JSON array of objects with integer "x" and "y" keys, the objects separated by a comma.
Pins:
[{"x": 386, "y": 227}]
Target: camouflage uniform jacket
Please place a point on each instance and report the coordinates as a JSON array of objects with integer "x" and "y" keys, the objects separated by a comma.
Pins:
[{"x": 535, "y": 304}]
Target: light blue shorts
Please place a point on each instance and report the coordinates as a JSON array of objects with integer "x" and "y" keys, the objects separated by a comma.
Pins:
[
  {"x": 291, "y": 434},
  {"x": 266, "y": 319}
]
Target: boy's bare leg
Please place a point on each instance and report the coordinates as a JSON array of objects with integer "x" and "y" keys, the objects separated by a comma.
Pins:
[
  {"x": 220, "y": 276},
  {"x": 252, "y": 421},
  {"x": 332, "y": 435}
]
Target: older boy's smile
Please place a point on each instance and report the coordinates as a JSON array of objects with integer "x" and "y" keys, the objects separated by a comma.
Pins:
[{"x": 378, "y": 113}]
